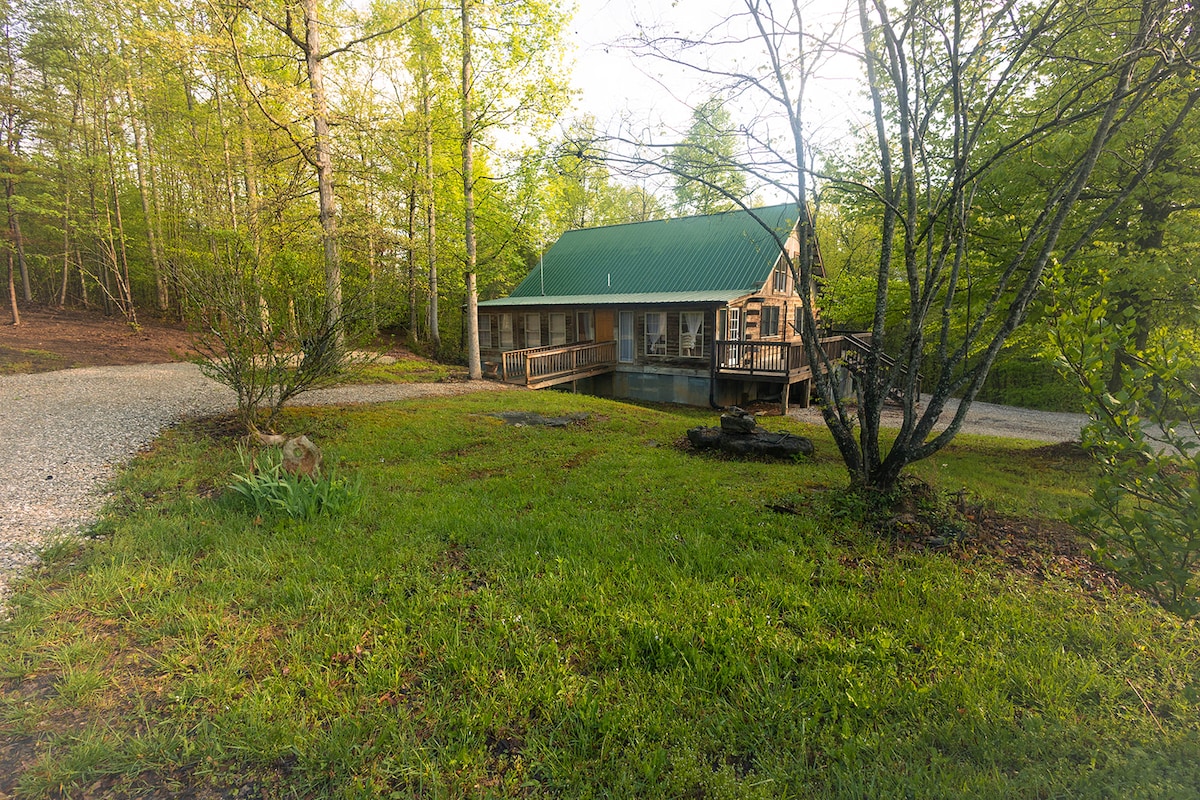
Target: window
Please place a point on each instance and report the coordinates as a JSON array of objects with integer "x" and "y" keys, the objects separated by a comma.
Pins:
[
  {"x": 691, "y": 333},
  {"x": 506, "y": 332},
  {"x": 769, "y": 324},
  {"x": 779, "y": 280},
  {"x": 558, "y": 328},
  {"x": 585, "y": 329},
  {"x": 625, "y": 335},
  {"x": 656, "y": 333},
  {"x": 797, "y": 318},
  {"x": 485, "y": 332},
  {"x": 533, "y": 330}
]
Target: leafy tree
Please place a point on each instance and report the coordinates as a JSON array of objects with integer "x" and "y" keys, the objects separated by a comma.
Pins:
[
  {"x": 13, "y": 116},
  {"x": 708, "y": 176},
  {"x": 580, "y": 191},
  {"x": 960, "y": 94},
  {"x": 161, "y": 140}
]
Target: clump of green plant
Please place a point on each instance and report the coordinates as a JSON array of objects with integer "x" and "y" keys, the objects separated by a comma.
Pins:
[
  {"x": 265, "y": 488},
  {"x": 1144, "y": 406}
]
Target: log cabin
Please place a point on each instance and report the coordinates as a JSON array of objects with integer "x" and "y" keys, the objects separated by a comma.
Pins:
[{"x": 699, "y": 310}]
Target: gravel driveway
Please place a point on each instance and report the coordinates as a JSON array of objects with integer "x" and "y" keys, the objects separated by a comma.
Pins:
[
  {"x": 65, "y": 433},
  {"x": 986, "y": 419}
]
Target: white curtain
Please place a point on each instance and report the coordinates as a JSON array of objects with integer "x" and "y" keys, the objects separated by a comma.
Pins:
[
  {"x": 655, "y": 335},
  {"x": 689, "y": 339}
]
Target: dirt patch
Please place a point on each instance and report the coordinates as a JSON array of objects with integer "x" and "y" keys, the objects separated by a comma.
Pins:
[
  {"x": 1044, "y": 548},
  {"x": 1063, "y": 451},
  {"x": 49, "y": 339},
  {"x": 1041, "y": 549}
]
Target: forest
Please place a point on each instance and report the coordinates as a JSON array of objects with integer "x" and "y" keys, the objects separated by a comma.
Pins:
[
  {"x": 298, "y": 147},
  {"x": 391, "y": 151}
]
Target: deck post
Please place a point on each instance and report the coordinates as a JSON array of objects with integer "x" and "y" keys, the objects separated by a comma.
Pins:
[
  {"x": 805, "y": 393},
  {"x": 785, "y": 397}
]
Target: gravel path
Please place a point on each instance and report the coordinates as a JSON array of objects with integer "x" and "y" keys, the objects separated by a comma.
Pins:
[
  {"x": 986, "y": 419},
  {"x": 65, "y": 433}
]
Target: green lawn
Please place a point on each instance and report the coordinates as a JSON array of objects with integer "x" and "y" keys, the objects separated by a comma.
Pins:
[
  {"x": 405, "y": 370},
  {"x": 578, "y": 612}
]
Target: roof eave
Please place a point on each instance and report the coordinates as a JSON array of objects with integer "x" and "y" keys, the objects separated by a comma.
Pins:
[{"x": 719, "y": 297}]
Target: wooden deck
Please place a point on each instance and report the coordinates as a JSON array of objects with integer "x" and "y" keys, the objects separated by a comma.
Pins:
[
  {"x": 539, "y": 367},
  {"x": 771, "y": 362},
  {"x": 785, "y": 362}
]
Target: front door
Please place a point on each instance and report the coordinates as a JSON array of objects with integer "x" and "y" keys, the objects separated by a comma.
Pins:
[
  {"x": 625, "y": 337},
  {"x": 733, "y": 334},
  {"x": 604, "y": 325}
]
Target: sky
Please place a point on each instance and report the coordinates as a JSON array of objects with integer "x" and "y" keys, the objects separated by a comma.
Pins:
[{"x": 615, "y": 83}]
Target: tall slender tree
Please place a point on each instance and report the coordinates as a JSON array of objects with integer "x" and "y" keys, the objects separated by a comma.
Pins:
[{"x": 474, "y": 369}]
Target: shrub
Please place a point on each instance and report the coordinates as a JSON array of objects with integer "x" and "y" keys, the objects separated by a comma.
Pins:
[
  {"x": 265, "y": 345},
  {"x": 1145, "y": 513}
]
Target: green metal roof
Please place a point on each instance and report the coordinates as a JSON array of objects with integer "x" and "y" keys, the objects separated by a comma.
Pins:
[{"x": 718, "y": 257}]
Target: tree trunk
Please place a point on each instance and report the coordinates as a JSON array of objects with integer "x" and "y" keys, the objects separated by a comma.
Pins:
[
  {"x": 474, "y": 371},
  {"x": 12, "y": 289},
  {"x": 14, "y": 229},
  {"x": 322, "y": 155},
  {"x": 139, "y": 157},
  {"x": 64, "y": 171},
  {"x": 430, "y": 220},
  {"x": 66, "y": 239},
  {"x": 125, "y": 300},
  {"x": 19, "y": 244},
  {"x": 414, "y": 324},
  {"x": 250, "y": 180}
]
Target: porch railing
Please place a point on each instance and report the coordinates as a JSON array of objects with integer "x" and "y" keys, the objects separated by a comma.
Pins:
[
  {"x": 539, "y": 364},
  {"x": 771, "y": 359},
  {"x": 858, "y": 347}
]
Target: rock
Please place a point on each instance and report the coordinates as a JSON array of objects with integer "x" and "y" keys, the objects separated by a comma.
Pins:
[
  {"x": 757, "y": 443},
  {"x": 704, "y": 438},
  {"x": 301, "y": 456},
  {"x": 737, "y": 421},
  {"x": 521, "y": 418},
  {"x": 762, "y": 443}
]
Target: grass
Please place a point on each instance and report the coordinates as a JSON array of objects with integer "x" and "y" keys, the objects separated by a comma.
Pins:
[
  {"x": 579, "y": 612},
  {"x": 406, "y": 370},
  {"x": 18, "y": 361}
]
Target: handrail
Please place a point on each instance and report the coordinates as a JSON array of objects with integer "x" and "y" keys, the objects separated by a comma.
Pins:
[
  {"x": 534, "y": 363},
  {"x": 861, "y": 347}
]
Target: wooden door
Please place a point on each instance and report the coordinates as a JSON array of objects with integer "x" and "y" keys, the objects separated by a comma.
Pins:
[{"x": 604, "y": 325}]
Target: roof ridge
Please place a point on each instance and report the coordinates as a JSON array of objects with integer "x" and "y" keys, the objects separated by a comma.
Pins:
[{"x": 747, "y": 210}]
